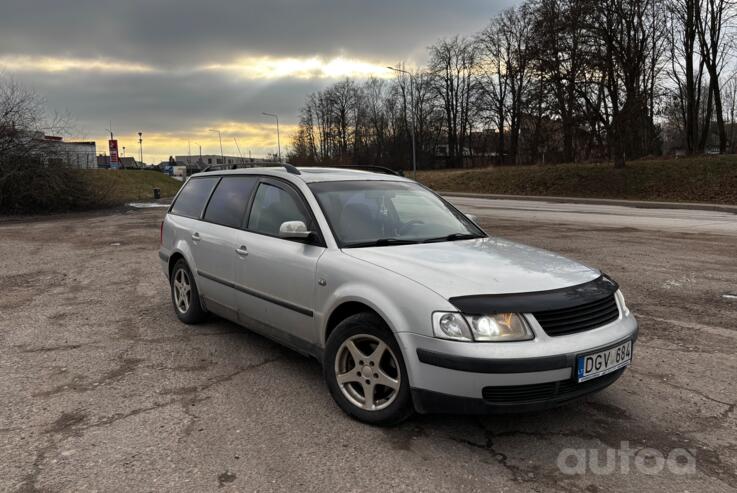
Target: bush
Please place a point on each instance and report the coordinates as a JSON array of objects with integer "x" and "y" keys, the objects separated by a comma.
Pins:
[
  {"x": 30, "y": 186},
  {"x": 27, "y": 185}
]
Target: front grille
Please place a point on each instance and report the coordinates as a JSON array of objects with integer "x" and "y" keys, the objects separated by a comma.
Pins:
[
  {"x": 578, "y": 318},
  {"x": 545, "y": 391}
]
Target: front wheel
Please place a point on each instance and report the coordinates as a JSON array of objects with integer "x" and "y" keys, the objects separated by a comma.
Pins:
[{"x": 365, "y": 371}]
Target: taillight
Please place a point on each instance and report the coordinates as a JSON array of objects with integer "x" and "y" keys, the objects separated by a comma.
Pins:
[{"x": 161, "y": 234}]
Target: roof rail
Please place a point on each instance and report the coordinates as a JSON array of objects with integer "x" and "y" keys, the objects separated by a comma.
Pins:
[
  {"x": 255, "y": 164},
  {"x": 376, "y": 169}
]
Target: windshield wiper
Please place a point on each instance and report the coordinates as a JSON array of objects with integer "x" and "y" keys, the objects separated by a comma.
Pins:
[
  {"x": 452, "y": 237},
  {"x": 382, "y": 242}
]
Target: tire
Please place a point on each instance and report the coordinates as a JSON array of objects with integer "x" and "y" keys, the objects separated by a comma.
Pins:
[
  {"x": 391, "y": 401},
  {"x": 186, "y": 304}
]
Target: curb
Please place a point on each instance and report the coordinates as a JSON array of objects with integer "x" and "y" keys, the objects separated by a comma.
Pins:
[{"x": 640, "y": 204}]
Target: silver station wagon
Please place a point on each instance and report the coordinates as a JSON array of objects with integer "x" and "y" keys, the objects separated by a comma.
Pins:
[{"x": 407, "y": 303}]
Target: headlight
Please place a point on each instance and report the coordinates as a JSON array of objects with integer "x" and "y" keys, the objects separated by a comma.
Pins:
[
  {"x": 449, "y": 325},
  {"x": 483, "y": 328},
  {"x": 622, "y": 305},
  {"x": 500, "y": 327}
]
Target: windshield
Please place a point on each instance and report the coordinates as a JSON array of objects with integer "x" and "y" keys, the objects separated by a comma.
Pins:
[{"x": 379, "y": 213}]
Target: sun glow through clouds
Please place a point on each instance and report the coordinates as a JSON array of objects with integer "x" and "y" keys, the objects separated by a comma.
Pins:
[
  {"x": 302, "y": 68},
  {"x": 22, "y": 63}
]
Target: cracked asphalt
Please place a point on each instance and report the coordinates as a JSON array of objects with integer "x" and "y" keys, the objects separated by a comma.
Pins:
[{"x": 101, "y": 388}]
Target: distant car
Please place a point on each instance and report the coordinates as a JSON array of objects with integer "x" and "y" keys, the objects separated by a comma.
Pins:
[{"x": 407, "y": 302}]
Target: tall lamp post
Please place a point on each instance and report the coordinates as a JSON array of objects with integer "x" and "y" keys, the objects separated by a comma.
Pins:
[
  {"x": 220, "y": 136},
  {"x": 199, "y": 163},
  {"x": 140, "y": 145},
  {"x": 278, "y": 138},
  {"x": 412, "y": 102}
]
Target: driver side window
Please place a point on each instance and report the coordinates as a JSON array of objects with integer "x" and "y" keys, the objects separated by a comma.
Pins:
[{"x": 273, "y": 206}]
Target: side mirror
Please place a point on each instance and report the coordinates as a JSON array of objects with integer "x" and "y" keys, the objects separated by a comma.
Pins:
[
  {"x": 474, "y": 219},
  {"x": 294, "y": 230}
]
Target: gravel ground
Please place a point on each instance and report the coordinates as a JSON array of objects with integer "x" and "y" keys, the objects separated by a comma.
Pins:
[{"x": 103, "y": 389}]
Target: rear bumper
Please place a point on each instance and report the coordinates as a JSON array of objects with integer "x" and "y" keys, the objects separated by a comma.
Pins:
[{"x": 542, "y": 397}]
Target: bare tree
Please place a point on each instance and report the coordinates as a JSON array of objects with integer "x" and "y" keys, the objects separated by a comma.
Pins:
[
  {"x": 494, "y": 81},
  {"x": 712, "y": 20},
  {"x": 687, "y": 67},
  {"x": 624, "y": 30},
  {"x": 453, "y": 63},
  {"x": 570, "y": 78}
]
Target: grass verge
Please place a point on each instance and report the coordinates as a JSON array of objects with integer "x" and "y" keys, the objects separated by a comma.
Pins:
[
  {"x": 116, "y": 187},
  {"x": 31, "y": 187},
  {"x": 702, "y": 179}
]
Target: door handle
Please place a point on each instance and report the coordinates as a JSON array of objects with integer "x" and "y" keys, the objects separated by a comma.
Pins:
[
  {"x": 242, "y": 250},
  {"x": 196, "y": 236}
]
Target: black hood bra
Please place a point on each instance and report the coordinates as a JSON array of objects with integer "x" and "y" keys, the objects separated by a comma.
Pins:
[{"x": 537, "y": 301}]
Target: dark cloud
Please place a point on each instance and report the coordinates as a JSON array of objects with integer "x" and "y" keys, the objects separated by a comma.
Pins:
[
  {"x": 178, "y": 37},
  {"x": 168, "y": 102},
  {"x": 186, "y": 32}
]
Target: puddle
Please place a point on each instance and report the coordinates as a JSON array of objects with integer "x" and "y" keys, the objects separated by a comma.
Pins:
[
  {"x": 730, "y": 296},
  {"x": 146, "y": 205}
]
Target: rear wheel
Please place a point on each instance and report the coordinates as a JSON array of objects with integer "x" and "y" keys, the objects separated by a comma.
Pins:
[
  {"x": 365, "y": 371},
  {"x": 184, "y": 294}
]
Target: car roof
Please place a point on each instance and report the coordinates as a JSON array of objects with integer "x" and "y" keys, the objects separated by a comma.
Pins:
[{"x": 310, "y": 174}]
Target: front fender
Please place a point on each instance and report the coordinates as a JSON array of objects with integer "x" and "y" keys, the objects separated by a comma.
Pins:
[{"x": 405, "y": 305}]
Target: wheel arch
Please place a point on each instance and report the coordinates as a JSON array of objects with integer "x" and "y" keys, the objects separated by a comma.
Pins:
[
  {"x": 344, "y": 310},
  {"x": 173, "y": 259}
]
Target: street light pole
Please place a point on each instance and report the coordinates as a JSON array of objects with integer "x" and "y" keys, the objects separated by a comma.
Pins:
[
  {"x": 239, "y": 149},
  {"x": 278, "y": 138},
  {"x": 140, "y": 145},
  {"x": 412, "y": 102},
  {"x": 220, "y": 136}
]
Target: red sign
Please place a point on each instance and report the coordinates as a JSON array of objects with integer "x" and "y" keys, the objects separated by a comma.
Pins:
[{"x": 113, "y": 146}]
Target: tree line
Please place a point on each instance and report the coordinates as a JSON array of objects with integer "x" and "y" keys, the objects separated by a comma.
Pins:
[{"x": 546, "y": 81}]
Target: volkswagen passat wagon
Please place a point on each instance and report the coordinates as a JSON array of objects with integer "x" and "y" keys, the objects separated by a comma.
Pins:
[{"x": 408, "y": 304}]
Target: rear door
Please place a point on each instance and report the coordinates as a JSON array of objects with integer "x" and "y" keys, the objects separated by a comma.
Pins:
[
  {"x": 214, "y": 242},
  {"x": 277, "y": 277}
]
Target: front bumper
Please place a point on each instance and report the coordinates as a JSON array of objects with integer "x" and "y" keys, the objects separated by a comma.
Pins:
[
  {"x": 511, "y": 399},
  {"x": 459, "y": 377}
]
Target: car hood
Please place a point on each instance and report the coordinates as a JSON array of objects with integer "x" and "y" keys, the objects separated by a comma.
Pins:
[{"x": 479, "y": 266}]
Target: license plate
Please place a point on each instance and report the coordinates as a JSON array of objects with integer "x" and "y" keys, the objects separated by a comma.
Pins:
[{"x": 600, "y": 363}]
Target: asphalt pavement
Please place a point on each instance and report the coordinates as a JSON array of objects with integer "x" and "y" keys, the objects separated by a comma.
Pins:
[
  {"x": 102, "y": 388},
  {"x": 601, "y": 215}
]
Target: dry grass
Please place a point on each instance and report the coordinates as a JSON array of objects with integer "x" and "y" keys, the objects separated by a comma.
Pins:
[
  {"x": 115, "y": 187},
  {"x": 702, "y": 179},
  {"x": 30, "y": 187}
]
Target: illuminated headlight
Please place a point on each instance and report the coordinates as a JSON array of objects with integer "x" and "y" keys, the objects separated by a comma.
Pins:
[
  {"x": 500, "y": 327},
  {"x": 483, "y": 328},
  {"x": 622, "y": 305},
  {"x": 450, "y": 325}
]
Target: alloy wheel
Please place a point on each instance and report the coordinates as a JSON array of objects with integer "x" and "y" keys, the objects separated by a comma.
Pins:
[
  {"x": 182, "y": 291},
  {"x": 367, "y": 372}
]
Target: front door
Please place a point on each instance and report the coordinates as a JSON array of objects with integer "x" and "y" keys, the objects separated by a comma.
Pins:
[{"x": 277, "y": 277}]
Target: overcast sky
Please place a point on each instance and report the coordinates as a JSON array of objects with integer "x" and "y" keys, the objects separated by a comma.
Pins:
[{"x": 175, "y": 69}]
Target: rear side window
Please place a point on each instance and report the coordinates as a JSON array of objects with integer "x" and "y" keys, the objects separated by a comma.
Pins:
[
  {"x": 228, "y": 202},
  {"x": 193, "y": 197},
  {"x": 271, "y": 207}
]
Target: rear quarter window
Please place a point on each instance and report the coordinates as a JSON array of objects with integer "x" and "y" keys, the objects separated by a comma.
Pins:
[{"x": 193, "y": 197}]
